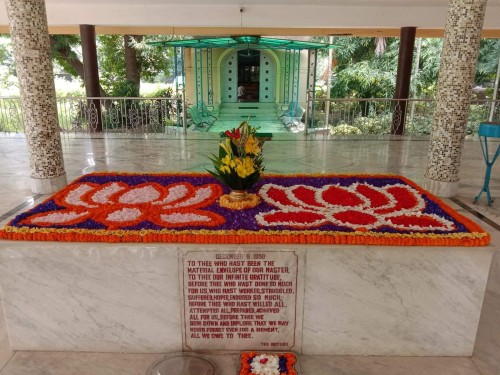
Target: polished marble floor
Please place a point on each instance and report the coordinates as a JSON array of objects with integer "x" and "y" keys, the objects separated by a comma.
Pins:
[
  {"x": 286, "y": 153},
  {"x": 60, "y": 363}
]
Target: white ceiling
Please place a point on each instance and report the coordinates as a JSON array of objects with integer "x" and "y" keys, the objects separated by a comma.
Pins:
[
  {"x": 382, "y": 3},
  {"x": 288, "y": 14}
]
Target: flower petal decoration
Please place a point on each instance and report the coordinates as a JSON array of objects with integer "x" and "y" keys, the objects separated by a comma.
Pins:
[
  {"x": 175, "y": 193},
  {"x": 63, "y": 217},
  {"x": 419, "y": 222},
  {"x": 181, "y": 218},
  {"x": 188, "y": 208},
  {"x": 292, "y": 218},
  {"x": 121, "y": 217},
  {"x": 356, "y": 207},
  {"x": 117, "y": 205},
  {"x": 233, "y": 133},
  {"x": 103, "y": 194},
  {"x": 252, "y": 363},
  {"x": 75, "y": 196}
]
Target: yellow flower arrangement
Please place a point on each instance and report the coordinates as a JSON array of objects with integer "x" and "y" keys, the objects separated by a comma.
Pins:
[{"x": 239, "y": 163}]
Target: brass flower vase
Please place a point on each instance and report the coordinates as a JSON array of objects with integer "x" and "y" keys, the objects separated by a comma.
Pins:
[
  {"x": 239, "y": 200},
  {"x": 238, "y": 195}
]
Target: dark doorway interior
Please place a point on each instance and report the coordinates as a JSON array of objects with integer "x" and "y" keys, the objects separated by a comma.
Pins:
[{"x": 248, "y": 75}]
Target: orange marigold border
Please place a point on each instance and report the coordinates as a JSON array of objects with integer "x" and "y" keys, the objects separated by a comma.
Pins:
[{"x": 476, "y": 237}]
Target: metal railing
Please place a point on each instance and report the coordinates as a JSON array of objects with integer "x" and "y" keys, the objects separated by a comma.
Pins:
[
  {"x": 113, "y": 115},
  {"x": 379, "y": 116},
  {"x": 11, "y": 115},
  {"x": 165, "y": 115}
]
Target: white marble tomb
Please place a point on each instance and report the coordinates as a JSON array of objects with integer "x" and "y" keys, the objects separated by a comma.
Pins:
[{"x": 356, "y": 300}]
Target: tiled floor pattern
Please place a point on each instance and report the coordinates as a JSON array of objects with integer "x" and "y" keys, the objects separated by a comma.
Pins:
[{"x": 286, "y": 153}]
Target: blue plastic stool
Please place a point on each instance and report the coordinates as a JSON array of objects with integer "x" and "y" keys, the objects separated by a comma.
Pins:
[{"x": 488, "y": 130}]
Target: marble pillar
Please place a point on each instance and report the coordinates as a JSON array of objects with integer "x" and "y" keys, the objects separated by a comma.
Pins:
[
  {"x": 30, "y": 37},
  {"x": 456, "y": 77}
]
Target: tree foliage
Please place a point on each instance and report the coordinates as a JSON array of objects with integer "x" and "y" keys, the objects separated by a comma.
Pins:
[
  {"x": 144, "y": 62},
  {"x": 7, "y": 66},
  {"x": 64, "y": 49},
  {"x": 150, "y": 62},
  {"x": 116, "y": 53},
  {"x": 4, "y": 51},
  {"x": 360, "y": 73},
  {"x": 425, "y": 84},
  {"x": 489, "y": 56}
]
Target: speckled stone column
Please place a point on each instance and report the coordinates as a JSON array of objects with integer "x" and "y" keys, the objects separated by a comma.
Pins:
[
  {"x": 456, "y": 77},
  {"x": 30, "y": 36}
]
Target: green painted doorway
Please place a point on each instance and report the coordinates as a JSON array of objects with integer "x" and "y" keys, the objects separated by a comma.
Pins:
[{"x": 248, "y": 75}]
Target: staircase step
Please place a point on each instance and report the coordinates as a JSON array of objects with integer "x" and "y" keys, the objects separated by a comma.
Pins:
[
  {"x": 247, "y": 111},
  {"x": 248, "y": 105},
  {"x": 250, "y": 111},
  {"x": 246, "y": 117}
]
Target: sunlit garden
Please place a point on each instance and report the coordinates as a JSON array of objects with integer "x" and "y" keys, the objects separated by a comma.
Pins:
[{"x": 353, "y": 97}]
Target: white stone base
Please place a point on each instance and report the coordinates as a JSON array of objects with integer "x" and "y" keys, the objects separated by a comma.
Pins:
[
  {"x": 357, "y": 300},
  {"x": 5, "y": 352},
  {"x": 404, "y": 301},
  {"x": 48, "y": 185},
  {"x": 441, "y": 189}
]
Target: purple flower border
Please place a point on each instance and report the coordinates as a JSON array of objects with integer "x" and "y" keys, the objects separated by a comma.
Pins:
[{"x": 243, "y": 219}]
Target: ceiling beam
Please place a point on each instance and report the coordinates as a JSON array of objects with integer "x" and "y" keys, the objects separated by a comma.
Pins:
[{"x": 267, "y": 31}]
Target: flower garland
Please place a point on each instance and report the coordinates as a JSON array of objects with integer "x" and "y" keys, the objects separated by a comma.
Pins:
[
  {"x": 252, "y": 363},
  {"x": 185, "y": 208},
  {"x": 250, "y": 201}
]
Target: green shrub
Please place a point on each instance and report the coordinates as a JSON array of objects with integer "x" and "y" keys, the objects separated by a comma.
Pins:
[
  {"x": 125, "y": 88},
  {"x": 165, "y": 92},
  {"x": 374, "y": 125},
  {"x": 344, "y": 129}
]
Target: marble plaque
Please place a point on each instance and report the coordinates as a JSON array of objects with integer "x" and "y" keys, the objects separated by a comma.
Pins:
[{"x": 239, "y": 300}]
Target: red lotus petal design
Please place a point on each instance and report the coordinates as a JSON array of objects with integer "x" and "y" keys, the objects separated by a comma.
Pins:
[
  {"x": 278, "y": 196},
  {"x": 305, "y": 196},
  {"x": 419, "y": 222},
  {"x": 292, "y": 219},
  {"x": 355, "y": 219},
  {"x": 358, "y": 206},
  {"x": 404, "y": 198},
  {"x": 376, "y": 198},
  {"x": 339, "y": 196}
]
